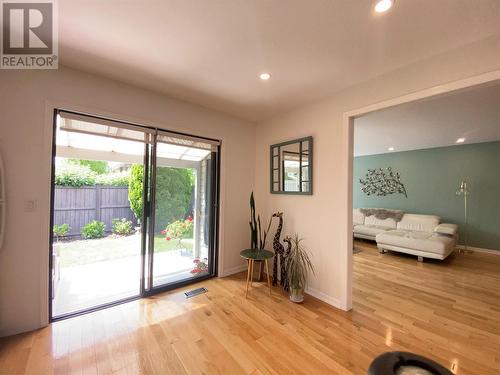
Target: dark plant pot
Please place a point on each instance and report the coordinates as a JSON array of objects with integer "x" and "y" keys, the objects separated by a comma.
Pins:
[{"x": 297, "y": 295}]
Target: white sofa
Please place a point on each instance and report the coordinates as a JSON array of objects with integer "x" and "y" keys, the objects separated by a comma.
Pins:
[
  {"x": 368, "y": 227},
  {"x": 420, "y": 235}
]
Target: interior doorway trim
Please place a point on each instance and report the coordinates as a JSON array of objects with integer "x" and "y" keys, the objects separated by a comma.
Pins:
[{"x": 348, "y": 142}]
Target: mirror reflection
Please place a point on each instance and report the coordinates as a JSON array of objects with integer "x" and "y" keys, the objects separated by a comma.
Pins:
[{"x": 291, "y": 167}]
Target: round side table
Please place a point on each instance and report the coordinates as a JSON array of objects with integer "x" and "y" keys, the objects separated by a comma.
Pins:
[{"x": 252, "y": 255}]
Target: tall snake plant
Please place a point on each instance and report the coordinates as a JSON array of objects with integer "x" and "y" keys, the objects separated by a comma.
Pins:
[{"x": 258, "y": 236}]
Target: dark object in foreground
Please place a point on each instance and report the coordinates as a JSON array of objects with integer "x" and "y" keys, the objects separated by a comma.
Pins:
[{"x": 403, "y": 363}]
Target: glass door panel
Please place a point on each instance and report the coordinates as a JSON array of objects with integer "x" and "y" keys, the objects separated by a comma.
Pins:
[
  {"x": 182, "y": 215},
  {"x": 97, "y": 238}
]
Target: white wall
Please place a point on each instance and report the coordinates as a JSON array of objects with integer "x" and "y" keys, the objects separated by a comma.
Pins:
[
  {"x": 321, "y": 218},
  {"x": 26, "y": 99}
]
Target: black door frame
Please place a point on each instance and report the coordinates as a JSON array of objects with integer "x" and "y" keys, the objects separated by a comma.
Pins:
[
  {"x": 149, "y": 184},
  {"x": 213, "y": 232}
]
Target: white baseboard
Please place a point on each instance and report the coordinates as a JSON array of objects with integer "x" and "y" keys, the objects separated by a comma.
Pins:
[
  {"x": 311, "y": 291},
  {"x": 325, "y": 298},
  {"x": 479, "y": 249},
  {"x": 233, "y": 270}
]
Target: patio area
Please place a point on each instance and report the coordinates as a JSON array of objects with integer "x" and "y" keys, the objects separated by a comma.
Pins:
[{"x": 99, "y": 271}]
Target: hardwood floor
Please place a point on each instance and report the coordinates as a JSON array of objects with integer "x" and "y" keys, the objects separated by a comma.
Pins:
[{"x": 449, "y": 311}]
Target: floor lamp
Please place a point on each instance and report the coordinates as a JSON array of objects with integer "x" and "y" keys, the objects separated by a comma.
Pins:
[{"x": 463, "y": 190}]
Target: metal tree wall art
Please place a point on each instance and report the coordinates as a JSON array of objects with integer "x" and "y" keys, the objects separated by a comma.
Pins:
[{"x": 382, "y": 182}]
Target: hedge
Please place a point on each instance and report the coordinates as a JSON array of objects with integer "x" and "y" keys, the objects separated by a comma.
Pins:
[
  {"x": 135, "y": 189},
  {"x": 174, "y": 190},
  {"x": 73, "y": 175},
  {"x": 114, "y": 178}
]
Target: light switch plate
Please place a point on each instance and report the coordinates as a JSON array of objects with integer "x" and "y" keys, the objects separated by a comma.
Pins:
[{"x": 30, "y": 205}]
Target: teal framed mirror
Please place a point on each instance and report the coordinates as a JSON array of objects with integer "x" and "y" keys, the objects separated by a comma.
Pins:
[{"x": 291, "y": 167}]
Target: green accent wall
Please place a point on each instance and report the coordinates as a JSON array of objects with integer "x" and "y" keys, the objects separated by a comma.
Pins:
[{"x": 432, "y": 176}]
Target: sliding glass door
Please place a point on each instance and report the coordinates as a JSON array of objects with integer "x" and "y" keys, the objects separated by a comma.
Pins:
[
  {"x": 134, "y": 212},
  {"x": 96, "y": 226},
  {"x": 183, "y": 191}
]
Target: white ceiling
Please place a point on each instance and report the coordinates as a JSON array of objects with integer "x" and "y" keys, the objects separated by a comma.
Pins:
[
  {"x": 211, "y": 52},
  {"x": 473, "y": 114}
]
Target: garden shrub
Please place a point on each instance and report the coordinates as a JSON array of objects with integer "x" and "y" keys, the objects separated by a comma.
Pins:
[
  {"x": 114, "y": 179},
  {"x": 122, "y": 226},
  {"x": 135, "y": 189},
  {"x": 60, "y": 231},
  {"x": 96, "y": 166},
  {"x": 173, "y": 195},
  {"x": 178, "y": 230},
  {"x": 94, "y": 229},
  {"x": 78, "y": 173},
  {"x": 74, "y": 175},
  {"x": 174, "y": 190}
]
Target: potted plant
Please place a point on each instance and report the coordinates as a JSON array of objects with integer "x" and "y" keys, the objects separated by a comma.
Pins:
[
  {"x": 200, "y": 266},
  {"x": 298, "y": 265},
  {"x": 258, "y": 235}
]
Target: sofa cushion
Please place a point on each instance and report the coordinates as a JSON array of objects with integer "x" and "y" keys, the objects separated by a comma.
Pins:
[
  {"x": 369, "y": 230},
  {"x": 423, "y": 241},
  {"x": 386, "y": 223},
  {"x": 445, "y": 228},
  {"x": 357, "y": 217},
  {"x": 420, "y": 223}
]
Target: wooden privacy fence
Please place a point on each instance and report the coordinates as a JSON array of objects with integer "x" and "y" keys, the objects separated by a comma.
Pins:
[{"x": 79, "y": 206}]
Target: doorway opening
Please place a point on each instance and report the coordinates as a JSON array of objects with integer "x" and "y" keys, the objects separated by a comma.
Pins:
[
  {"x": 349, "y": 118},
  {"x": 133, "y": 212}
]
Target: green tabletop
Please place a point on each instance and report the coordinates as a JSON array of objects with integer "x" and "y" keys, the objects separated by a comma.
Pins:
[{"x": 256, "y": 254}]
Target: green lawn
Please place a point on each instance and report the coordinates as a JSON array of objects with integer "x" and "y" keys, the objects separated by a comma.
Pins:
[
  {"x": 161, "y": 244},
  {"x": 79, "y": 252}
]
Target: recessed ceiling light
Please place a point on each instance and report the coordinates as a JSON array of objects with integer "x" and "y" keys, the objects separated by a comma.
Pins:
[
  {"x": 390, "y": 149},
  {"x": 383, "y": 5},
  {"x": 265, "y": 76},
  {"x": 460, "y": 140}
]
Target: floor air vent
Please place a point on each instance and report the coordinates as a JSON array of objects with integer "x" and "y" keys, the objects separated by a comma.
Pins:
[{"x": 195, "y": 292}]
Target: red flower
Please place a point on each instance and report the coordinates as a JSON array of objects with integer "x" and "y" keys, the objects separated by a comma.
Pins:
[
  {"x": 168, "y": 238},
  {"x": 196, "y": 260},
  {"x": 190, "y": 218},
  {"x": 195, "y": 270},
  {"x": 164, "y": 231}
]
